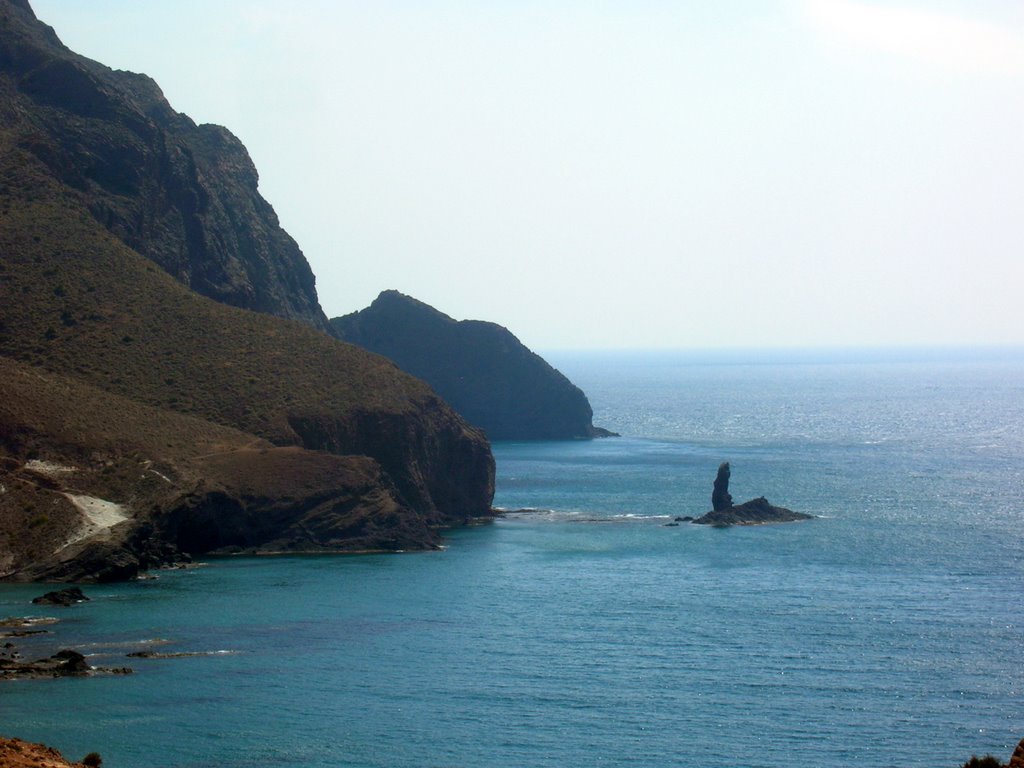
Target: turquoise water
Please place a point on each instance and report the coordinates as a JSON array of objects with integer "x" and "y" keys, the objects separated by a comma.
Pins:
[{"x": 890, "y": 631}]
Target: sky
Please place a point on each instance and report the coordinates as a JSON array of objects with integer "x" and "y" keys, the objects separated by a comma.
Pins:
[{"x": 623, "y": 174}]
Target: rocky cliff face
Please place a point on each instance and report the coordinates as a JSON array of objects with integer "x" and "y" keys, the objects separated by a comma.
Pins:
[
  {"x": 484, "y": 371},
  {"x": 139, "y": 419},
  {"x": 181, "y": 194}
]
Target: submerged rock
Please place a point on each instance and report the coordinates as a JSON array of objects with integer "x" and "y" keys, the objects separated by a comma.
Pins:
[
  {"x": 176, "y": 654},
  {"x": 66, "y": 663},
  {"x": 64, "y": 597}
]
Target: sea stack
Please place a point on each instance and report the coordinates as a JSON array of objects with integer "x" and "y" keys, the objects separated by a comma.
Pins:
[
  {"x": 720, "y": 498},
  {"x": 754, "y": 512}
]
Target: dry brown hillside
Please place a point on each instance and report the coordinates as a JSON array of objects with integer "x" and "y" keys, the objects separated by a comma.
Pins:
[{"x": 96, "y": 486}]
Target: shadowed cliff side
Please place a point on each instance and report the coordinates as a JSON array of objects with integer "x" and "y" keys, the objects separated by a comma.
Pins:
[
  {"x": 484, "y": 371},
  {"x": 181, "y": 194}
]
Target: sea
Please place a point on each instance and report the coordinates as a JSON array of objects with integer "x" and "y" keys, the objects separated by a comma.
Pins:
[{"x": 584, "y": 628}]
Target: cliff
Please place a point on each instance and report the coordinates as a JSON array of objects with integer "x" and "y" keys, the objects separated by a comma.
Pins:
[
  {"x": 480, "y": 368},
  {"x": 183, "y": 195},
  {"x": 262, "y": 433}
]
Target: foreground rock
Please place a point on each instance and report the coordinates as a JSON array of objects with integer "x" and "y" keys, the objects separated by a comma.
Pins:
[
  {"x": 64, "y": 597},
  {"x": 990, "y": 761},
  {"x": 480, "y": 368},
  {"x": 754, "y": 512},
  {"x": 15, "y": 753},
  {"x": 1017, "y": 758},
  {"x": 66, "y": 663}
]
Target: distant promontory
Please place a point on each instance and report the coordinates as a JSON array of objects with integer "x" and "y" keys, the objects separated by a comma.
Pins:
[{"x": 482, "y": 370}]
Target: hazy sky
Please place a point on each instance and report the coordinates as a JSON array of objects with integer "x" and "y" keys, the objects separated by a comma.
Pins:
[{"x": 637, "y": 173}]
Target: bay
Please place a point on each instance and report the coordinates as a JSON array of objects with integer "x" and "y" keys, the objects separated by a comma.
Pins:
[{"x": 888, "y": 631}]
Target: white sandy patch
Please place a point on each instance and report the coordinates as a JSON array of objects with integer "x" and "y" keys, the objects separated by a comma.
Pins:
[
  {"x": 49, "y": 468},
  {"x": 99, "y": 515}
]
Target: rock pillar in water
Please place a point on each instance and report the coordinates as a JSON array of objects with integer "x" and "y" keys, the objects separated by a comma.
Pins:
[{"x": 720, "y": 498}]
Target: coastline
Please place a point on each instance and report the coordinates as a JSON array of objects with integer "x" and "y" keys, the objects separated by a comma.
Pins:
[{"x": 15, "y": 753}]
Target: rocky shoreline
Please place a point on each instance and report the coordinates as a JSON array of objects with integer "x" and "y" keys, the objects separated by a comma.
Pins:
[
  {"x": 15, "y": 753},
  {"x": 66, "y": 662}
]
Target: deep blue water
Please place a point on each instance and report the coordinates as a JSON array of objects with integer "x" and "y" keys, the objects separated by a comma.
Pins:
[{"x": 888, "y": 632}]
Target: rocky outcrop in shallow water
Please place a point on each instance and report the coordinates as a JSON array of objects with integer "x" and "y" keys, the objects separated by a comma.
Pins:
[
  {"x": 64, "y": 597},
  {"x": 754, "y": 512},
  {"x": 66, "y": 663}
]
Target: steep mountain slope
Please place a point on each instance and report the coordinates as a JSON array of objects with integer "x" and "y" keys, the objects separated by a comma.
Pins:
[
  {"x": 80, "y": 307},
  {"x": 182, "y": 195},
  {"x": 484, "y": 371}
]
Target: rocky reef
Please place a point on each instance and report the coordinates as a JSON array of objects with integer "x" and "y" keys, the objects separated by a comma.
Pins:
[
  {"x": 65, "y": 663},
  {"x": 480, "y": 368},
  {"x": 754, "y": 512}
]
